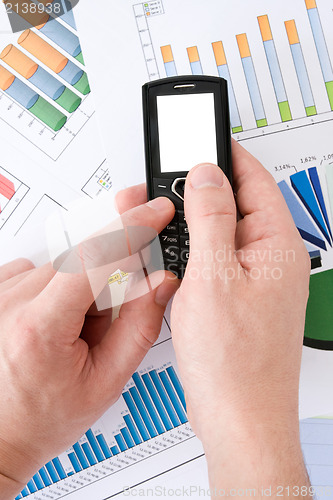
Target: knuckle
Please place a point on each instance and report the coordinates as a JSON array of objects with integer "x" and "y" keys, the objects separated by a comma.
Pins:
[
  {"x": 145, "y": 336},
  {"x": 6, "y": 302},
  {"x": 24, "y": 265}
]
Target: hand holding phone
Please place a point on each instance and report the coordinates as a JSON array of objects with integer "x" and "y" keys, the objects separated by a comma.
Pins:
[{"x": 186, "y": 122}]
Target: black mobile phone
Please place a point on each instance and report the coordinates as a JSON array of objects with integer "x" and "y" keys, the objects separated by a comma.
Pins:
[{"x": 186, "y": 122}]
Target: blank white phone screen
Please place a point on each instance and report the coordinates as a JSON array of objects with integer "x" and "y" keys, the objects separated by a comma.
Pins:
[{"x": 187, "y": 131}]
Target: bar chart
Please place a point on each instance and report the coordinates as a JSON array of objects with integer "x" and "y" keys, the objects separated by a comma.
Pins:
[
  {"x": 43, "y": 83},
  {"x": 251, "y": 79},
  {"x": 12, "y": 192},
  {"x": 321, "y": 45},
  {"x": 274, "y": 67},
  {"x": 223, "y": 70},
  {"x": 169, "y": 62},
  {"x": 194, "y": 59},
  {"x": 273, "y": 82},
  {"x": 153, "y": 404},
  {"x": 301, "y": 69}
]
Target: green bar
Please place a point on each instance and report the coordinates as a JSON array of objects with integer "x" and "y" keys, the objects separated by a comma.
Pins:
[
  {"x": 48, "y": 114},
  {"x": 285, "y": 111},
  {"x": 83, "y": 85},
  {"x": 329, "y": 88},
  {"x": 262, "y": 123},
  {"x": 79, "y": 58},
  {"x": 69, "y": 100},
  {"x": 319, "y": 314},
  {"x": 235, "y": 130},
  {"x": 311, "y": 110}
]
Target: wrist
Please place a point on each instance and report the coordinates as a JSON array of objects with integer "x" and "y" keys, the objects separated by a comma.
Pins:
[
  {"x": 257, "y": 455},
  {"x": 16, "y": 468},
  {"x": 9, "y": 488}
]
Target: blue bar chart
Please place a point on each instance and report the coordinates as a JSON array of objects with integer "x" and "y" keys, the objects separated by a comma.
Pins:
[
  {"x": 301, "y": 69},
  {"x": 252, "y": 81},
  {"x": 223, "y": 70},
  {"x": 274, "y": 67},
  {"x": 154, "y": 403},
  {"x": 40, "y": 78},
  {"x": 321, "y": 45},
  {"x": 295, "y": 95},
  {"x": 194, "y": 59},
  {"x": 169, "y": 62}
]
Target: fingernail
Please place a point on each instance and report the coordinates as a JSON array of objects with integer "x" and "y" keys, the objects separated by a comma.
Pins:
[
  {"x": 160, "y": 204},
  {"x": 207, "y": 175}
]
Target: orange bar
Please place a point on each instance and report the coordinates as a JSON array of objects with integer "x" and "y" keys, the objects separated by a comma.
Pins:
[
  {"x": 33, "y": 18},
  {"x": 310, "y": 4},
  {"x": 219, "y": 53},
  {"x": 19, "y": 61},
  {"x": 43, "y": 51},
  {"x": 292, "y": 32},
  {"x": 265, "y": 28},
  {"x": 46, "y": 2},
  {"x": 6, "y": 78},
  {"x": 167, "y": 53},
  {"x": 193, "y": 54},
  {"x": 243, "y": 46}
]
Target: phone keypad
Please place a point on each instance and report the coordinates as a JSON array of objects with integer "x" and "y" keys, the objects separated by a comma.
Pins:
[{"x": 175, "y": 242}]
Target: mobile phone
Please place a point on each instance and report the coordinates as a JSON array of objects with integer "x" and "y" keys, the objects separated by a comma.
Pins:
[{"x": 186, "y": 122}]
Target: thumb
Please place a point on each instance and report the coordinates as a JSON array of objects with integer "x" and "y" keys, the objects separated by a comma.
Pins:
[{"x": 210, "y": 212}]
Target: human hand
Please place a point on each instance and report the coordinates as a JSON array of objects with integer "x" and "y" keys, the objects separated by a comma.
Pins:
[
  {"x": 238, "y": 324},
  {"x": 62, "y": 363}
]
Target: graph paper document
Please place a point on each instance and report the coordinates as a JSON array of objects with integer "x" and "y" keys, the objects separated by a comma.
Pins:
[{"x": 281, "y": 101}]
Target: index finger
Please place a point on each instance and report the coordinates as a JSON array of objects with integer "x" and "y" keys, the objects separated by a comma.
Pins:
[
  {"x": 69, "y": 295},
  {"x": 131, "y": 198}
]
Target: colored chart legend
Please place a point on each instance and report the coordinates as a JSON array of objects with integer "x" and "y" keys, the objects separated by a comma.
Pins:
[
  {"x": 169, "y": 62},
  {"x": 223, "y": 70},
  {"x": 300, "y": 66},
  {"x": 153, "y": 8},
  {"x": 274, "y": 67},
  {"x": 320, "y": 41},
  {"x": 101, "y": 180},
  {"x": 194, "y": 59},
  {"x": 251, "y": 79}
]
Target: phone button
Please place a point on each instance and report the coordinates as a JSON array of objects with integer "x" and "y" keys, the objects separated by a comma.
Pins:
[
  {"x": 184, "y": 242},
  {"x": 169, "y": 239},
  {"x": 184, "y": 254},
  {"x": 170, "y": 253},
  {"x": 180, "y": 214},
  {"x": 171, "y": 228},
  {"x": 183, "y": 229}
]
